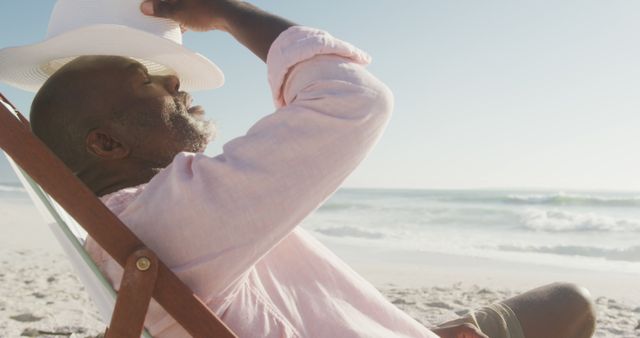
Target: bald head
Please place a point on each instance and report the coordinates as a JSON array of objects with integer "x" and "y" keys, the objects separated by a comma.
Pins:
[
  {"x": 69, "y": 104},
  {"x": 98, "y": 112}
]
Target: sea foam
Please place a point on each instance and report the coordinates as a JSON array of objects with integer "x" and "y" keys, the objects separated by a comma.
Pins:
[
  {"x": 562, "y": 198},
  {"x": 347, "y": 231},
  {"x": 566, "y": 221}
]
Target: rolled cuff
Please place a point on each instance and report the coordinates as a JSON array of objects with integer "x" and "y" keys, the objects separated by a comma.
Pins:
[{"x": 298, "y": 44}]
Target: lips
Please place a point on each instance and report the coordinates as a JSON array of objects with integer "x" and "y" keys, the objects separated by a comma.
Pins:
[
  {"x": 196, "y": 110},
  {"x": 193, "y": 110}
]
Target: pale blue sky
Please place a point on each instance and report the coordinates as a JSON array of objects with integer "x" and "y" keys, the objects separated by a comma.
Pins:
[{"x": 502, "y": 94}]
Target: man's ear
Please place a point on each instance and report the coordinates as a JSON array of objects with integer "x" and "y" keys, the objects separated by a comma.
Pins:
[{"x": 102, "y": 145}]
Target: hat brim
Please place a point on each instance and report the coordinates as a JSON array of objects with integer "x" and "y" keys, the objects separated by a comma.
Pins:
[{"x": 28, "y": 67}]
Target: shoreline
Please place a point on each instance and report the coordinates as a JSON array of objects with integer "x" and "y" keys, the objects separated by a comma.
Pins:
[{"x": 411, "y": 269}]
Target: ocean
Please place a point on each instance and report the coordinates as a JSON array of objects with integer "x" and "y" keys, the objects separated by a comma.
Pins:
[{"x": 583, "y": 230}]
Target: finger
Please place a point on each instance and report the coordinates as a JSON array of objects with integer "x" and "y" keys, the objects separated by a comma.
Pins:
[
  {"x": 147, "y": 8},
  {"x": 158, "y": 8}
]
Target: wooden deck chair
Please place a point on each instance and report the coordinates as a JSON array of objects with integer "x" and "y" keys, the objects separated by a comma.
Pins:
[{"x": 71, "y": 209}]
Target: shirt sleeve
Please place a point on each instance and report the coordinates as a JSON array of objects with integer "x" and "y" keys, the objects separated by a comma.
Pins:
[{"x": 210, "y": 219}]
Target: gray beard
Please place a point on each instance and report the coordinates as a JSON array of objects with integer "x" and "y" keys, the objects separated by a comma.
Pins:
[{"x": 194, "y": 133}]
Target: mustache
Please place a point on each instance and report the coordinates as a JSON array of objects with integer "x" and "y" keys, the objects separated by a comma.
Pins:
[{"x": 182, "y": 100}]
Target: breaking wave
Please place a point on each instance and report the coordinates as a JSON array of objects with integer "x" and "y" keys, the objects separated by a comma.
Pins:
[
  {"x": 574, "y": 199},
  {"x": 346, "y": 231},
  {"x": 564, "y": 221}
]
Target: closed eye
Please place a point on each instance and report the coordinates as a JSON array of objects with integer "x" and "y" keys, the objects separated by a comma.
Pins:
[{"x": 141, "y": 73}]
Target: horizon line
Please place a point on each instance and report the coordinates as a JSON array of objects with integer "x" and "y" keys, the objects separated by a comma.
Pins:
[{"x": 532, "y": 189}]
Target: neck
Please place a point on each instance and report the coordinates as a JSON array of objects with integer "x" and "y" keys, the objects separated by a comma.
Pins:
[{"x": 104, "y": 178}]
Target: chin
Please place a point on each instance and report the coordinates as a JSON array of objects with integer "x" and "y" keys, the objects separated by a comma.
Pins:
[
  {"x": 198, "y": 143},
  {"x": 200, "y": 148}
]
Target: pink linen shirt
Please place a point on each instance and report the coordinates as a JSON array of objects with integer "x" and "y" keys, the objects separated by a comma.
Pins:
[{"x": 228, "y": 225}]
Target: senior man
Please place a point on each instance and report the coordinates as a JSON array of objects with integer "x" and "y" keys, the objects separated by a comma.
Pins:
[{"x": 227, "y": 225}]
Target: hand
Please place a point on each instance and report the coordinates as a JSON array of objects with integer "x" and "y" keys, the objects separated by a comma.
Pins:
[
  {"x": 197, "y": 15},
  {"x": 459, "y": 331},
  {"x": 251, "y": 26}
]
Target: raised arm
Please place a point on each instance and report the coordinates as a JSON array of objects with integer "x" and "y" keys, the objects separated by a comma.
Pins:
[
  {"x": 219, "y": 215},
  {"x": 251, "y": 26}
]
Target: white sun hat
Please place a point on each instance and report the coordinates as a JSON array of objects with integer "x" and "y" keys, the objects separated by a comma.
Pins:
[{"x": 107, "y": 27}]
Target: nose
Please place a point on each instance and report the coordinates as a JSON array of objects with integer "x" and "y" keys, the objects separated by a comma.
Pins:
[{"x": 171, "y": 83}]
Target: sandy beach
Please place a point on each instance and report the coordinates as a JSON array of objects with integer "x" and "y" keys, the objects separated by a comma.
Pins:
[
  {"x": 434, "y": 287},
  {"x": 41, "y": 297}
]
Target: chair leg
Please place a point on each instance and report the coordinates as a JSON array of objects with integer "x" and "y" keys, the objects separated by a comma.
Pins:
[{"x": 134, "y": 296}]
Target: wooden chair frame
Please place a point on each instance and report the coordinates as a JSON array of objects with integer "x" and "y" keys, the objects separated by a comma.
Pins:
[{"x": 145, "y": 276}]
